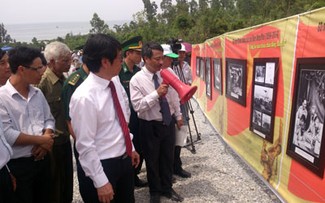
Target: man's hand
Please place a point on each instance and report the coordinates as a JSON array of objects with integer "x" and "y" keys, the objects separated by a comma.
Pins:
[
  {"x": 39, "y": 153},
  {"x": 105, "y": 193},
  {"x": 179, "y": 124},
  {"x": 47, "y": 141},
  {"x": 135, "y": 159},
  {"x": 162, "y": 89}
]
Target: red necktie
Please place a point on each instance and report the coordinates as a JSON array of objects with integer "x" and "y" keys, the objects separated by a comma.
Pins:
[{"x": 121, "y": 118}]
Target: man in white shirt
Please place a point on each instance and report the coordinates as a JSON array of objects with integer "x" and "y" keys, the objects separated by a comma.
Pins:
[
  {"x": 106, "y": 153},
  {"x": 6, "y": 185},
  {"x": 185, "y": 74},
  {"x": 157, "y": 134},
  {"x": 28, "y": 126}
]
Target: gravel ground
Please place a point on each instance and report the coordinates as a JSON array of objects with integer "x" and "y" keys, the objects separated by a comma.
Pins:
[{"x": 218, "y": 174}]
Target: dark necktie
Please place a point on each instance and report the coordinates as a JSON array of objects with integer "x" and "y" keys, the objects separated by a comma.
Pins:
[
  {"x": 165, "y": 111},
  {"x": 121, "y": 119}
]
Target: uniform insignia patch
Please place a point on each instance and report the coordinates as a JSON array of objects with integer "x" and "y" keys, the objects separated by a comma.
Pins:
[{"x": 73, "y": 81}]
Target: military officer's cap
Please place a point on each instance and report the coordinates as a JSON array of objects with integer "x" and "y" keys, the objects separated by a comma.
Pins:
[{"x": 134, "y": 43}]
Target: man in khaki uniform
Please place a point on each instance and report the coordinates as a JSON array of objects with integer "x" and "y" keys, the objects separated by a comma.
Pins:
[{"x": 58, "y": 56}]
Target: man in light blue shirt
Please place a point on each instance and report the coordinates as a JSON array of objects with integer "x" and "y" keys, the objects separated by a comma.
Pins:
[{"x": 28, "y": 126}]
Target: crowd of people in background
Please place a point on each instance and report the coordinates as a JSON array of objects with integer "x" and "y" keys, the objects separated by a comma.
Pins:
[{"x": 111, "y": 99}]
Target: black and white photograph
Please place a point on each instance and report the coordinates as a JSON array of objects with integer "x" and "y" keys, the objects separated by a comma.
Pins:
[
  {"x": 198, "y": 63},
  {"x": 257, "y": 118},
  {"x": 217, "y": 74},
  {"x": 260, "y": 74},
  {"x": 236, "y": 80},
  {"x": 306, "y": 143},
  {"x": 202, "y": 67},
  {"x": 263, "y": 97},
  {"x": 269, "y": 73},
  {"x": 208, "y": 77},
  {"x": 265, "y": 72},
  {"x": 266, "y": 122}
]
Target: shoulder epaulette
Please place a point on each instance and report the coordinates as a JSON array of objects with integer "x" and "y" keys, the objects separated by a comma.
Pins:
[{"x": 73, "y": 80}]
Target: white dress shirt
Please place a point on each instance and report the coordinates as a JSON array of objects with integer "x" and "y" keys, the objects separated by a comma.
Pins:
[
  {"x": 145, "y": 98},
  {"x": 95, "y": 123},
  {"x": 20, "y": 115},
  {"x": 187, "y": 73},
  {"x": 5, "y": 149}
]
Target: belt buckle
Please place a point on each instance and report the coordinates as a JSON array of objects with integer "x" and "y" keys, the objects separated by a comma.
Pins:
[{"x": 124, "y": 156}]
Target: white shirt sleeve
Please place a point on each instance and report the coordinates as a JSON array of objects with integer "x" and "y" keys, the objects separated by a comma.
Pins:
[
  {"x": 140, "y": 100},
  {"x": 82, "y": 111}
]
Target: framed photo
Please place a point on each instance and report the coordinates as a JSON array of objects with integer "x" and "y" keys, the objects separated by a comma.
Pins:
[
  {"x": 208, "y": 77},
  {"x": 198, "y": 63},
  {"x": 202, "y": 68},
  {"x": 265, "y": 76},
  {"x": 216, "y": 63},
  {"x": 236, "y": 80},
  {"x": 306, "y": 143}
]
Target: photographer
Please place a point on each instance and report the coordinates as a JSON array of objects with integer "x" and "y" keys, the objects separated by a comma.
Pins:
[{"x": 185, "y": 67}]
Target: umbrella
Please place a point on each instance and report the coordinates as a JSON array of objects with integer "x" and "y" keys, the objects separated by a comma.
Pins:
[
  {"x": 188, "y": 46},
  {"x": 6, "y": 48}
]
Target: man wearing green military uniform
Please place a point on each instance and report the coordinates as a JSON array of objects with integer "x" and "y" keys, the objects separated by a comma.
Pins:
[
  {"x": 69, "y": 86},
  {"x": 132, "y": 57}
]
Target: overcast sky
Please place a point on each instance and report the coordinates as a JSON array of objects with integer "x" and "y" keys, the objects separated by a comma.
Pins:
[{"x": 36, "y": 11}]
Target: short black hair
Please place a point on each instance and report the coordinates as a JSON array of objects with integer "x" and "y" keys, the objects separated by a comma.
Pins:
[
  {"x": 2, "y": 53},
  {"x": 97, "y": 47},
  {"x": 148, "y": 47},
  {"x": 22, "y": 55},
  {"x": 44, "y": 61}
]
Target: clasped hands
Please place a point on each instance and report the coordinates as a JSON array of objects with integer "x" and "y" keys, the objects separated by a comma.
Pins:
[{"x": 45, "y": 145}]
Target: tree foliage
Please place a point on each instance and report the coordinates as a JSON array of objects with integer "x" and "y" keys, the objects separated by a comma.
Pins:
[
  {"x": 192, "y": 20},
  {"x": 98, "y": 25},
  {"x": 4, "y": 37}
]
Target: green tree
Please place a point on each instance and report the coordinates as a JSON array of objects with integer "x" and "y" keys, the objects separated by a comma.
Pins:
[
  {"x": 98, "y": 25},
  {"x": 4, "y": 37},
  {"x": 193, "y": 6},
  {"x": 150, "y": 9}
]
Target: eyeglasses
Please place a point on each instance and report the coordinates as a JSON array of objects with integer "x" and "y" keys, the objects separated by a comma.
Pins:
[{"x": 34, "y": 69}]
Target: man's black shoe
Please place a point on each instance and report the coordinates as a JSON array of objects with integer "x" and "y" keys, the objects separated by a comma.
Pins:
[
  {"x": 173, "y": 179},
  {"x": 140, "y": 183},
  {"x": 182, "y": 173},
  {"x": 154, "y": 198},
  {"x": 173, "y": 196}
]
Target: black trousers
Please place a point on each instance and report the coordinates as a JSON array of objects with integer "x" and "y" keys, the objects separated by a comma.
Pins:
[
  {"x": 33, "y": 179},
  {"x": 177, "y": 159},
  {"x": 134, "y": 129},
  {"x": 177, "y": 154},
  {"x": 119, "y": 172},
  {"x": 80, "y": 171},
  {"x": 62, "y": 173},
  {"x": 158, "y": 142},
  {"x": 6, "y": 187}
]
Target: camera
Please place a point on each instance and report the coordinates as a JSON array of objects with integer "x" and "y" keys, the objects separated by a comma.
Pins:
[{"x": 175, "y": 44}]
